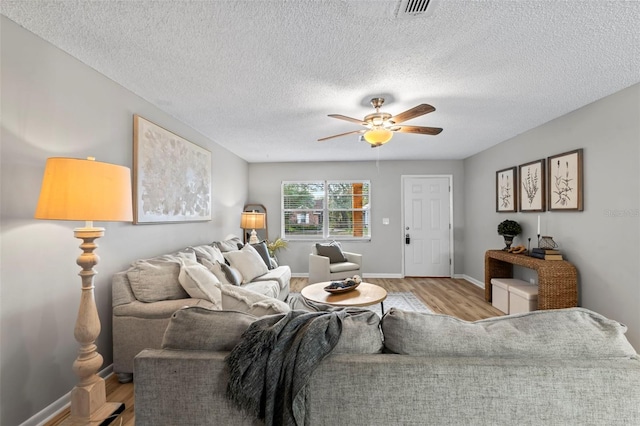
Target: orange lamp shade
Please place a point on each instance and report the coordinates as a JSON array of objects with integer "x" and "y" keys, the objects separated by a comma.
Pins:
[
  {"x": 85, "y": 190},
  {"x": 252, "y": 220}
]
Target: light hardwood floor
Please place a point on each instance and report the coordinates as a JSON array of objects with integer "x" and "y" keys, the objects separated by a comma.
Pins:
[{"x": 455, "y": 297}]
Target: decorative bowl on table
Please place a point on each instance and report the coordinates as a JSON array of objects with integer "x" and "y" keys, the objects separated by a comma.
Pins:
[{"x": 342, "y": 286}]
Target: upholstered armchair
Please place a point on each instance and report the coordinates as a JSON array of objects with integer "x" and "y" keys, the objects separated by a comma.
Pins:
[{"x": 321, "y": 267}]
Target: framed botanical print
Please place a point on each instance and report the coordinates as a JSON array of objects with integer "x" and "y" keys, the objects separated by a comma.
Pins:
[
  {"x": 564, "y": 174},
  {"x": 506, "y": 190},
  {"x": 532, "y": 187}
]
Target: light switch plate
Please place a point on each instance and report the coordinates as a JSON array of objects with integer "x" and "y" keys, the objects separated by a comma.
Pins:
[{"x": 385, "y": 220}]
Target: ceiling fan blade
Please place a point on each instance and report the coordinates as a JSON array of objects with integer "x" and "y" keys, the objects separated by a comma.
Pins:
[
  {"x": 342, "y": 134},
  {"x": 414, "y": 112},
  {"x": 419, "y": 130},
  {"x": 352, "y": 120}
]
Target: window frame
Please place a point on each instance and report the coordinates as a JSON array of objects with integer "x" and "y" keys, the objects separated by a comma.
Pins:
[{"x": 366, "y": 210}]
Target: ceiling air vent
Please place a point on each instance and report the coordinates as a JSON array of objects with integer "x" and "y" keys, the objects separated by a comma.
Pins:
[{"x": 408, "y": 8}]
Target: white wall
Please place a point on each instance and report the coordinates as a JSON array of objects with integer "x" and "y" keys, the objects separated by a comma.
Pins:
[
  {"x": 382, "y": 256},
  {"x": 603, "y": 241},
  {"x": 53, "y": 105}
]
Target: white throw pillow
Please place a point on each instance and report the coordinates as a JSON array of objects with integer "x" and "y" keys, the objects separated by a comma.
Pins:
[
  {"x": 200, "y": 283},
  {"x": 240, "y": 299},
  {"x": 248, "y": 262}
]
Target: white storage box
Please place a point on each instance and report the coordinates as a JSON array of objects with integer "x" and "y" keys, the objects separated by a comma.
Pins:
[
  {"x": 523, "y": 298},
  {"x": 500, "y": 292}
]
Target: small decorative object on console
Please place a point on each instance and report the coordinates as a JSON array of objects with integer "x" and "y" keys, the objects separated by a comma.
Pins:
[{"x": 547, "y": 242}]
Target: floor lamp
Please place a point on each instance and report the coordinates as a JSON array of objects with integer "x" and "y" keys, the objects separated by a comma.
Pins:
[
  {"x": 76, "y": 189},
  {"x": 253, "y": 221}
]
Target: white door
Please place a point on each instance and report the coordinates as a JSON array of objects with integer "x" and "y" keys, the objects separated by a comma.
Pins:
[{"x": 427, "y": 226}]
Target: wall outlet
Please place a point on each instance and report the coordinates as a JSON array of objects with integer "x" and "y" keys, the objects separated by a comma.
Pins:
[
  {"x": 385, "y": 220},
  {"x": 532, "y": 280}
]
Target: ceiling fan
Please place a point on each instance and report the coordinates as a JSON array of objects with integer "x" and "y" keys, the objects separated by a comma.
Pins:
[{"x": 381, "y": 125}]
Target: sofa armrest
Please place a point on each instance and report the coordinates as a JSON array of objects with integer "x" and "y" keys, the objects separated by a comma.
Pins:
[
  {"x": 176, "y": 387},
  {"x": 353, "y": 258},
  {"x": 121, "y": 292},
  {"x": 318, "y": 268}
]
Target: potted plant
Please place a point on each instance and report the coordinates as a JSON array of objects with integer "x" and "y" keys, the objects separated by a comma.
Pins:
[
  {"x": 275, "y": 245},
  {"x": 509, "y": 229}
]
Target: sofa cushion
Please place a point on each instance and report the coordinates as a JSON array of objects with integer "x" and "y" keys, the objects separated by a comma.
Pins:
[
  {"x": 263, "y": 251},
  {"x": 268, "y": 288},
  {"x": 230, "y": 244},
  {"x": 197, "y": 328},
  {"x": 282, "y": 274},
  {"x": 157, "y": 310},
  {"x": 235, "y": 298},
  {"x": 360, "y": 334},
  {"x": 558, "y": 334},
  {"x": 210, "y": 253},
  {"x": 343, "y": 267},
  {"x": 332, "y": 250},
  {"x": 200, "y": 283},
  {"x": 157, "y": 278},
  {"x": 248, "y": 262}
]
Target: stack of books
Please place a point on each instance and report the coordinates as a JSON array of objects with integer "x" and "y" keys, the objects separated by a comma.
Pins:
[{"x": 546, "y": 254}]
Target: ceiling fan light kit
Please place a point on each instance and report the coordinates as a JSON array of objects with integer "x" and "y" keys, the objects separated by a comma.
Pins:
[
  {"x": 378, "y": 136},
  {"x": 381, "y": 125}
]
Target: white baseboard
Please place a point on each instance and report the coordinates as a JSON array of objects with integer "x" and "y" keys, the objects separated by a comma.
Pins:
[
  {"x": 368, "y": 275},
  {"x": 473, "y": 280},
  {"x": 62, "y": 403}
]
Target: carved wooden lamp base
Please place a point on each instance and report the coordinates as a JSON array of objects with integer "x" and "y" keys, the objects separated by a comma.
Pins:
[{"x": 89, "y": 404}]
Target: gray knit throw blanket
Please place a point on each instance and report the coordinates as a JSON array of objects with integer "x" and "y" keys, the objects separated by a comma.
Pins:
[{"x": 270, "y": 367}]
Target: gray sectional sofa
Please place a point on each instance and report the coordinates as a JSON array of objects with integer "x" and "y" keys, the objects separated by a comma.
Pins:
[
  {"x": 561, "y": 367},
  {"x": 146, "y": 295}
]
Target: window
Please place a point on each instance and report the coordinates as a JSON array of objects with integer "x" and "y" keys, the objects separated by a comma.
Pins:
[{"x": 326, "y": 209}]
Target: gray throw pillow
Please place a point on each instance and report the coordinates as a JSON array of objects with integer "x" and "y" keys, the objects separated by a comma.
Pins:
[
  {"x": 199, "y": 328},
  {"x": 556, "y": 334},
  {"x": 232, "y": 275},
  {"x": 332, "y": 250},
  {"x": 263, "y": 251}
]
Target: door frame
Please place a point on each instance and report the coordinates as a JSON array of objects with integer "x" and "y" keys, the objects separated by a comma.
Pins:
[{"x": 403, "y": 179}]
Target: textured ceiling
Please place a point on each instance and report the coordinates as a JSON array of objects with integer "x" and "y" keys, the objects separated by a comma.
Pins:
[{"x": 260, "y": 77}]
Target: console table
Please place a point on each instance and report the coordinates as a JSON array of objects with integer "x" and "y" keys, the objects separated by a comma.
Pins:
[{"x": 557, "y": 279}]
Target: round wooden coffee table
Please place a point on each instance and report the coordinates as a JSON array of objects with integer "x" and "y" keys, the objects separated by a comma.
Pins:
[{"x": 365, "y": 295}]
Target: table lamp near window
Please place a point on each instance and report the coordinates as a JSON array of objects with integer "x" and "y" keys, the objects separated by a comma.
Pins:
[
  {"x": 76, "y": 189},
  {"x": 253, "y": 221}
]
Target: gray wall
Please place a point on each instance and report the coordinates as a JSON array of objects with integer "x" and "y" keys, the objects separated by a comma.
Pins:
[
  {"x": 602, "y": 241},
  {"x": 382, "y": 256},
  {"x": 53, "y": 105}
]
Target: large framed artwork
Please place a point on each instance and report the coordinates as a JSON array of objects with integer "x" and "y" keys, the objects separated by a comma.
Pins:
[
  {"x": 564, "y": 173},
  {"x": 532, "y": 186},
  {"x": 172, "y": 176},
  {"x": 506, "y": 190}
]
